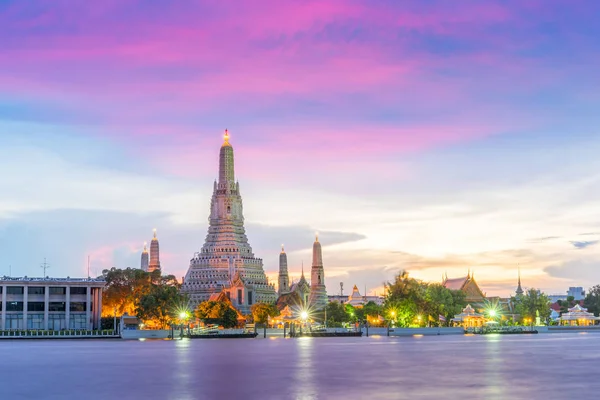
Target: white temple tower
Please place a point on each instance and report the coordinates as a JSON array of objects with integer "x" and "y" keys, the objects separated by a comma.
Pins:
[
  {"x": 318, "y": 293},
  {"x": 284, "y": 278},
  {"x": 145, "y": 259},
  {"x": 154, "y": 263},
  {"x": 226, "y": 261}
]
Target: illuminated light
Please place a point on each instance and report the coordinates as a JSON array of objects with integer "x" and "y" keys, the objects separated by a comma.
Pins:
[
  {"x": 183, "y": 315},
  {"x": 492, "y": 313},
  {"x": 304, "y": 315},
  {"x": 418, "y": 335}
]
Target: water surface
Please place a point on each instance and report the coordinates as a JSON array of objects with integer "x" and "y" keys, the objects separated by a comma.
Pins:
[{"x": 551, "y": 366}]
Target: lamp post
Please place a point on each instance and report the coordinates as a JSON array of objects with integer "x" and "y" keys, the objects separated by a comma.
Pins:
[
  {"x": 304, "y": 317},
  {"x": 183, "y": 316}
]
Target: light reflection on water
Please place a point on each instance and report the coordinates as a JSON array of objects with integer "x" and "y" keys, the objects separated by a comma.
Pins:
[{"x": 551, "y": 366}]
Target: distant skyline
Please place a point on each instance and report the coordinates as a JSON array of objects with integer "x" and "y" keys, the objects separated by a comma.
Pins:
[{"x": 431, "y": 136}]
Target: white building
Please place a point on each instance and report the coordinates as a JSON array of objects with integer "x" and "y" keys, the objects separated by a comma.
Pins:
[
  {"x": 576, "y": 291},
  {"x": 50, "y": 303}
]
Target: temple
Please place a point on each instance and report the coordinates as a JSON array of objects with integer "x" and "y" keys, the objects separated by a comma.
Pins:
[
  {"x": 519, "y": 291},
  {"x": 145, "y": 260},
  {"x": 318, "y": 293},
  {"x": 226, "y": 262},
  {"x": 468, "y": 286},
  {"x": 284, "y": 277},
  {"x": 578, "y": 316},
  {"x": 154, "y": 263}
]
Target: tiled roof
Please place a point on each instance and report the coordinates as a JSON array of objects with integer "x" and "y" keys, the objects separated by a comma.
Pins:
[{"x": 455, "y": 284}]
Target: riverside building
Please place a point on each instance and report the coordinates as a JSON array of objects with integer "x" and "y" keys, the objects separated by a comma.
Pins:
[{"x": 50, "y": 303}]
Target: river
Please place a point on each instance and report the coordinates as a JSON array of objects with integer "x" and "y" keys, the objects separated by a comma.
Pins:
[{"x": 550, "y": 366}]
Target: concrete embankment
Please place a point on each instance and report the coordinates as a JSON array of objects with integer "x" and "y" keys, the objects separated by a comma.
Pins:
[{"x": 414, "y": 331}]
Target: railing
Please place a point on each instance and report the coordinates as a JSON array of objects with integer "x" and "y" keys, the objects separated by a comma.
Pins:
[{"x": 76, "y": 333}]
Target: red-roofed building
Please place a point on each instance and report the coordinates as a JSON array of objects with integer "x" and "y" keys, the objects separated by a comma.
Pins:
[{"x": 467, "y": 285}]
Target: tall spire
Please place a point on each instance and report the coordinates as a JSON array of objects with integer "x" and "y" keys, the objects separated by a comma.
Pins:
[
  {"x": 226, "y": 169},
  {"x": 318, "y": 293},
  {"x": 283, "y": 278},
  {"x": 154, "y": 263},
  {"x": 519, "y": 291},
  {"x": 145, "y": 260}
]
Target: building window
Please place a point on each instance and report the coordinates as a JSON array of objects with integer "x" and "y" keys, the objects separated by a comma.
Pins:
[
  {"x": 35, "y": 321},
  {"x": 35, "y": 306},
  {"x": 36, "y": 290},
  {"x": 14, "y": 290},
  {"x": 58, "y": 290},
  {"x": 56, "y": 306},
  {"x": 1, "y": 287},
  {"x": 228, "y": 210},
  {"x": 240, "y": 296},
  {"x": 14, "y": 306},
  {"x": 77, "y": 306},
  {"x": 249, "y": 298},
  {"x": 78, "y": 290},
  {"x": 56, "y": 322},
  {"x": 14, "y": 321},
  {"x": 77, "y": 321}
]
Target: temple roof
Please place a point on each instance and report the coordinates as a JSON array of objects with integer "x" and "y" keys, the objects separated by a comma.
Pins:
[{"x": 456, "y": 283}]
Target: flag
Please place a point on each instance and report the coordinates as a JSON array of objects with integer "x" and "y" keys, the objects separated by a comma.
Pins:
[{"x": 442, "y": 318}]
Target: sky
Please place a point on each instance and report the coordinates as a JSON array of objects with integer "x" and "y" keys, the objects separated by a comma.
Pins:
[{"x": 432, "y": 136}]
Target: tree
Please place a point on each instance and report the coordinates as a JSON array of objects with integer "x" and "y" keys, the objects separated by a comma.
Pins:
[
  {"x": 592, "y": 300},
  {"x": 532, "y": 304},
  {"x": 160, "y": 306},
  {"x": 217, "y": 312},
  {"x": 336, "y": 314},
  {"x": 372, "y": 309},
  {"x": 262, "y": 311},
  {"x": 444, "y": 302},
  {"x": 124, "y": 287}
]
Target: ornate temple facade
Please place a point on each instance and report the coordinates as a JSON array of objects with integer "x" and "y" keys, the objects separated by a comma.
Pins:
[{"x": 226, "y": 262}]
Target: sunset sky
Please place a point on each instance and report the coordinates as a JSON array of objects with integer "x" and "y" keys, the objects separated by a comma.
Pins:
[{"x": 432, "y": 136}]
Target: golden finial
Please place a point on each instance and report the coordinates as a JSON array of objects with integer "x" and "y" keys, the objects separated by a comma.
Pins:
[
  {"x": 154, "y": 233},
  {"x": 317, "y": 236},
  {"x": 226, "y": 136},
  {"x": 145, "y": 247},
  {"x": 282, "y": 249}
]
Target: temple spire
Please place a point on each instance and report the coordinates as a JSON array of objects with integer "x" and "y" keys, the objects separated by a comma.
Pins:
[
  {"x": 519, "y": 291},
  {"x": 226, "y": 169},
  {"x": 145, "y": 259},
  {"x": 283, "y": 278},
  {"x": 154, "y": 263}
]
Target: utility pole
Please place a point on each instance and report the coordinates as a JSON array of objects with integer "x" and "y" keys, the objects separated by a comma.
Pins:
[
  {"x": 44, "y": 266},
  {"x": 341, "y": 289}
]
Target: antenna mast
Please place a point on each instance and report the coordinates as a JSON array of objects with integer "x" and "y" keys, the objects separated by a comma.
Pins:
[{"x": 44, "y": 266}]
